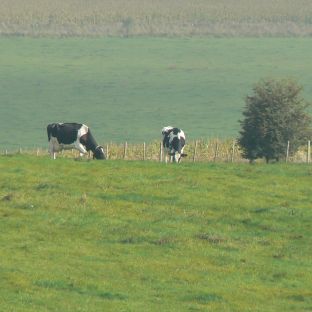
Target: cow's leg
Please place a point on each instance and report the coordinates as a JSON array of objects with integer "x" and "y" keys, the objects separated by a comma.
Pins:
[
  {"x": 181, "y": 155},
  {"x": 173, "y": 156},
  {"x": 53, "y": 154},
  {"x": 51, "y": 150},
  {"x": 80, "y": 148}
]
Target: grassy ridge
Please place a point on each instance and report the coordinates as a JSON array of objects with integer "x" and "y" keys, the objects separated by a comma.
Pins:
[
  {"x": 142, "y": 236},
  {"x": 171, "y": 17},
  {"x": 128, "y": 89}
]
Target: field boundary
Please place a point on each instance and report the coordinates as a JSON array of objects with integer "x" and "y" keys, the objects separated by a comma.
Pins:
[
  {"x": 212, "y": 150},
  {"x": 155, "y": 18}
]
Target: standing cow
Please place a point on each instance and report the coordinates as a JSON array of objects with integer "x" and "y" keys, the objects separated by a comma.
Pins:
[
  {"x": 173, "y": 143},
  {"x": 73, "y": 135}
]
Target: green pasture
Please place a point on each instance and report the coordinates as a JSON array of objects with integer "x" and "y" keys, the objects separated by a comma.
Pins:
[
  {"x": 145, "y": 236},
  {"x": 127, "y": 89}
]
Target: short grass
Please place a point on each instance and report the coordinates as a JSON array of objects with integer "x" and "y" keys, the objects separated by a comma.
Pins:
[
  {"x": 144, "y": 236},
  {"x": 128, "y": 89}
]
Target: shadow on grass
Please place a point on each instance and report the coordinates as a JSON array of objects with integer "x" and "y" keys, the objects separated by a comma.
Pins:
[
  {"x": 163, "y": 241},
  {"x": 90, "y": 290},
  {"x": 139, "y": 198},
  {"x": 203, "y": 298}
]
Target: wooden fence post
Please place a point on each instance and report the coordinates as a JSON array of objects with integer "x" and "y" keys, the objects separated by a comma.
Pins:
[
  {"x": 309, "y": 152},
  {"x": 233, "y": 151},
  {"x": 195, "y": 151},
  {"x": 216, "y": 151},
  {"x": 107, "y": 155},
  {"x": 287, "y": 151},
  {"x": 125, "y": 150},
  {"x": 160, "y": 152},
  {"x": 144, "y": 150}
]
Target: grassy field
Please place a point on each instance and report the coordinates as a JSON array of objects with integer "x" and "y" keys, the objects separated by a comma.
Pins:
[
  {"x": 156, "y": 17},
  {"x": 143, "y": 236},
  {"x": 128, "y": 89}
]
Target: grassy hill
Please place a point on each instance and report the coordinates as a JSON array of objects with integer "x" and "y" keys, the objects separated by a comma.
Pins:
[
  {"x": 144, "y": 236},
  {"x": 128, "y": 89}
]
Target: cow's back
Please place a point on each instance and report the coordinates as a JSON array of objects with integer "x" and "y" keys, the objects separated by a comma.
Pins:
[{"x": 65, "y": 133}]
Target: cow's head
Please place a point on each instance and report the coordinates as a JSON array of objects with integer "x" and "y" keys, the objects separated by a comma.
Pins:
[
  {"x": 99, "y": 153},
  {"x": 182, "y": 155},
  {"x": 176, "y": 156}
]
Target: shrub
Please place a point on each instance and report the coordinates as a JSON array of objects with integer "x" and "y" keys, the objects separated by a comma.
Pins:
[{"x": 274, "y": 114}]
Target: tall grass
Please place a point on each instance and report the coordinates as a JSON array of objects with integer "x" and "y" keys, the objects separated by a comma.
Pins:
[{"x": 171, "y": 17}]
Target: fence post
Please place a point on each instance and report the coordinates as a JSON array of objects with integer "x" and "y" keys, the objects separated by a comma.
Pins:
[
  {"x": 125, "y": 150},
  {"x": 144, "y": 150},
  {"x": 287, "y": 151},
  {"x": 37, "y": 151},
  {"x": 6, "y": 152},
  {"x": 160, "y": 152},
  {"x": 195, "y": 151},
  {"x": 107, "y": 151},
  {"x": 233, "y": 151},
  {"x": 309, "y": 152},
  {"x": 216, "y": 151}
]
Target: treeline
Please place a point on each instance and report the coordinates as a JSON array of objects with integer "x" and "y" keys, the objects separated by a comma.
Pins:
[{"x": 155, "y": 18}]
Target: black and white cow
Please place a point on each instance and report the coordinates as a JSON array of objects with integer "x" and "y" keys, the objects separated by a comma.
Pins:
[
  {"x": 72, "y": 135},
  {"x": 173, "y": 143}
]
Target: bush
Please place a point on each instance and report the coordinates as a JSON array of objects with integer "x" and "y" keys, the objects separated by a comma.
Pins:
[{"x": 274, "y": 114}]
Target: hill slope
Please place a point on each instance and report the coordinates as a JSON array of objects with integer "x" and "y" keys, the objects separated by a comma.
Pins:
[{"x": 143, "y": 236}]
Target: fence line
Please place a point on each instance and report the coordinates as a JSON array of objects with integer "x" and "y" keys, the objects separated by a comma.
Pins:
[{"x": 213, "y": 150}]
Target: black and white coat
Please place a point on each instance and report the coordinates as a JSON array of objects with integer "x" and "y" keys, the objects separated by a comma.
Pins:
[
  {"x": 173, "y": 143},
  {"x": 72, "y": 135}
]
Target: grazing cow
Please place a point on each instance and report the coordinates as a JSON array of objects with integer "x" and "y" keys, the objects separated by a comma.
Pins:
[
  {"x": 73, "y": 135},
  {"x": 173, "y": 143}
]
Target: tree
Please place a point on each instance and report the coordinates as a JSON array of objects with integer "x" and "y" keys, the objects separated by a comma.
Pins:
[{"x": 274, "y": 114}]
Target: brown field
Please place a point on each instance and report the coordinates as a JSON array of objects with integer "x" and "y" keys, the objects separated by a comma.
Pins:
[{"x": 156, "y": 18}]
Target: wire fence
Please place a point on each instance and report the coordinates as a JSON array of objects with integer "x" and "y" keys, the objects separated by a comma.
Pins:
[{"x": 213, "y": 150}]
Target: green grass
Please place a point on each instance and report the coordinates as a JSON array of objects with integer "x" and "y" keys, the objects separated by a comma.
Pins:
[
  {"x": 128, "y": 89},
  {"x": 144, "y": 236}
]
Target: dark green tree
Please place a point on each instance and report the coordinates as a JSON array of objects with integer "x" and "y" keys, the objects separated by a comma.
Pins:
[{"x": 274, "y": 114}]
